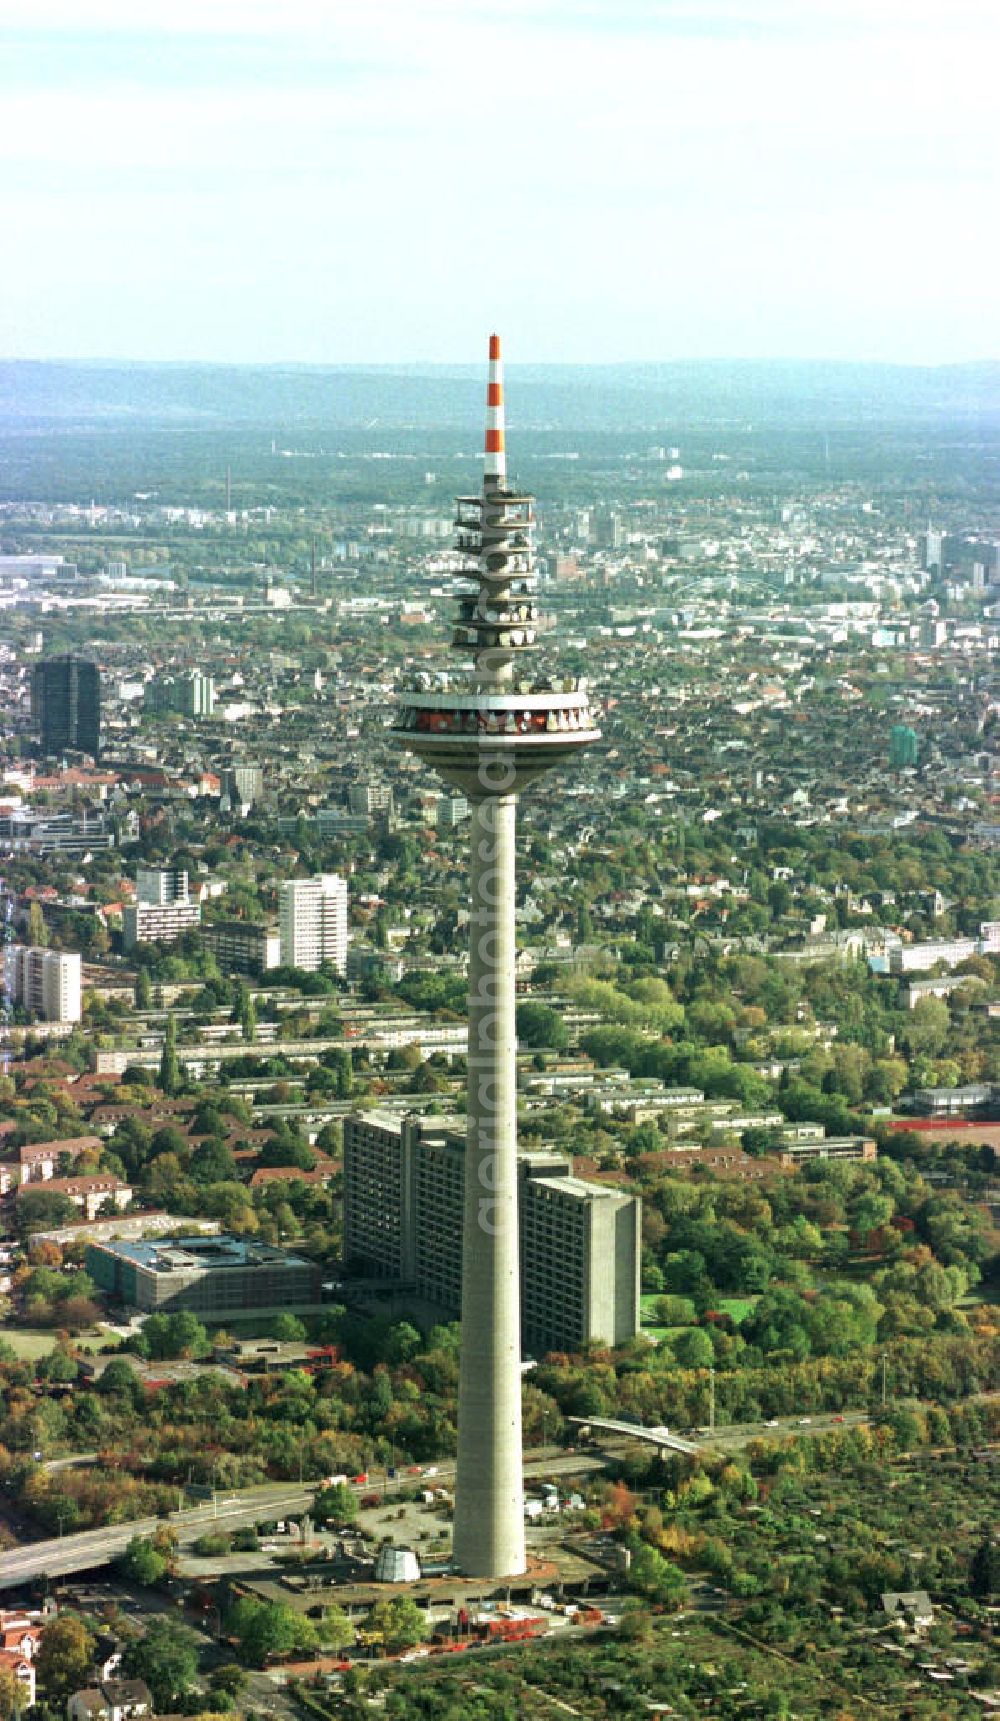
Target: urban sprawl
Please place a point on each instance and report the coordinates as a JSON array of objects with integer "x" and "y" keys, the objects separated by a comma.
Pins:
[{"x": 757, "y": 986}]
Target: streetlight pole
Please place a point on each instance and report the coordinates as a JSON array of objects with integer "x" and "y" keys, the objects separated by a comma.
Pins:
[
  {"x": 711, "y": 1400},
  {"x": 885, "y": 1359}
]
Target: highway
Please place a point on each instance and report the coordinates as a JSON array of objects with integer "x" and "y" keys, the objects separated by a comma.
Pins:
[{"x": 61, "y": 1555}]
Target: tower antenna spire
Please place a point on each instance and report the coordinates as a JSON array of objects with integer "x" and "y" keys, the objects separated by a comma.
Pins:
[{"x": 496, "y": 451}]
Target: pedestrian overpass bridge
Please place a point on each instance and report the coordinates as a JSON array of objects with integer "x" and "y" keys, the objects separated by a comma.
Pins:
[{"x": 659, "y": 1437}]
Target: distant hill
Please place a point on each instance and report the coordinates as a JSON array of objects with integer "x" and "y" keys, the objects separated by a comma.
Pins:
[{"x": 554, "y": 397}]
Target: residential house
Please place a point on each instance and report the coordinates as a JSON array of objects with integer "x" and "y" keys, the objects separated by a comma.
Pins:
[
  {"x": 40, "y": 1159},
  {"x": 116, "y": 1700},
  {"x": 912, "y": 1609},
  {"x": 89, "y": 1193}
]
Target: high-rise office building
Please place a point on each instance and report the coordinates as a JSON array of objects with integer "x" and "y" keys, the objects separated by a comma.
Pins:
[
  {"x": 312, "y": 919},
  {"x": 491, "y": 733},
  {"x": 904, "y": 747},
  {"x": 47, "y": 982},
  {"x": 66, "y": 704},
  {"x": 580, "y": 1242}
]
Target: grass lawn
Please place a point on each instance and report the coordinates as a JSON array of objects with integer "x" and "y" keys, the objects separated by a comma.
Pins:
[
  {"x": 737, "y": 1308},
  {"x": 28, "y": 1343},
  {"x": 647, "y": 1305},
  {"x": 32, "y": 1342}
]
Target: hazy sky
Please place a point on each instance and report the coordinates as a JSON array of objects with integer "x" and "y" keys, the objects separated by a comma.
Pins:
[{"x": 336, "y": 180}]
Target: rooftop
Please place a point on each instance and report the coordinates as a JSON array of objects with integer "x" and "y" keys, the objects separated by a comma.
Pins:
[{"x": 184, "y": 1254}]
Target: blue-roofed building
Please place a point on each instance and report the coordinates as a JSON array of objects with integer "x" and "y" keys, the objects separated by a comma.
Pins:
[{"x": 208, "y": 1275}]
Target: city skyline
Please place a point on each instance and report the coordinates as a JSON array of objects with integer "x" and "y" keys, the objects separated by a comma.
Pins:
[{"x": 241, "y": 185}]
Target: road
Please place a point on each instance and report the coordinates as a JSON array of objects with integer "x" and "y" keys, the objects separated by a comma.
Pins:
[
  {"x": 732, "y": 1436},
  {"x": 61, "y": 1555}
]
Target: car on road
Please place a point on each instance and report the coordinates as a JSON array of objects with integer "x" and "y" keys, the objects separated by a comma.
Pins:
[{"x": 805, "y": 1421}]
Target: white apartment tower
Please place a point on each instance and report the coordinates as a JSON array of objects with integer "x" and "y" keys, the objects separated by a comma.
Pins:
[
  {"x": 156, "y": 887},
  {"x": 312, "y": 917},
  {"x": 47, "y": 982},
  {"x": 163, "y": 910}
]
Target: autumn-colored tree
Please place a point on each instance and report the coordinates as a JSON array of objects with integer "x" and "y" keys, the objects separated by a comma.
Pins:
[
  {"x": 619, "y": 1507},
  {"x": 64, "y": 1656}
]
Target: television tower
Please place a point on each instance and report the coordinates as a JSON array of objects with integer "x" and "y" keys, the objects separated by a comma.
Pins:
[{"x": 491, "y": 730}]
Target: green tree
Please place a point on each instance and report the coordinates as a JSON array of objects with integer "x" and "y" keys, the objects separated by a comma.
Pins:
[
  {"x": 230, "y": 1678},
  {"x": 336, "y": 1504},
  {"x": 141, "y": 1563},
  {"x": 11, "y": 1694},
  {"x": 188, "y": 1336},
  {"x": 288, "y": 1329},
  {"x": 653, "y": 1576},
  {"x": 143, "y": 990},
  {"x": 38, "y": 932},
  {"x": 212, "y": 1162},
  {"x": 926, "y": 1031},
  {"x": 265, "y": 1630},
  {"x": 984, "y": 1573},
  {"x": 693, "y": 1348},
  {"x": 166, "y": 1657},
  {"x": 337, "y": 1630},
  {"x": 42, "y": 1210},
  {"x": 169, "y": 1078},
  {"x": 539, "y": 1025},
  {"x": 400, "y": 1621},
  {"x": 339, "y": 1061}
]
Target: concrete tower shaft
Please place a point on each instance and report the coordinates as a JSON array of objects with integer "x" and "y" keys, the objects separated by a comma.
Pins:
[{"x": 492, "y": 730}]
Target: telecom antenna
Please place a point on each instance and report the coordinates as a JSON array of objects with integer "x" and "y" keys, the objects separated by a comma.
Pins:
[{"x": 492, "y": 730}]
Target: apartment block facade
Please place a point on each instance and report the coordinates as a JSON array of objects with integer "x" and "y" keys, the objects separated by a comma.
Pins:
[
  {"x": 313, "y": 922},
  {"x": 243, "y": 946},
  {"x": 580, "y": 1242},
  {"x": 47, "y": 982},
  {"x": 162, "y": 910}
]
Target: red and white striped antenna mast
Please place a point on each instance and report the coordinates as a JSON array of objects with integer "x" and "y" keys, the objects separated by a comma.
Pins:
[{"x": 496, "y": 453}]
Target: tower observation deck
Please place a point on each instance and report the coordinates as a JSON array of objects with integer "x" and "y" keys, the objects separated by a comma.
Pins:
[
  {"x": 495, "y": 717},
  {"x": 492, "y": 729}
]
